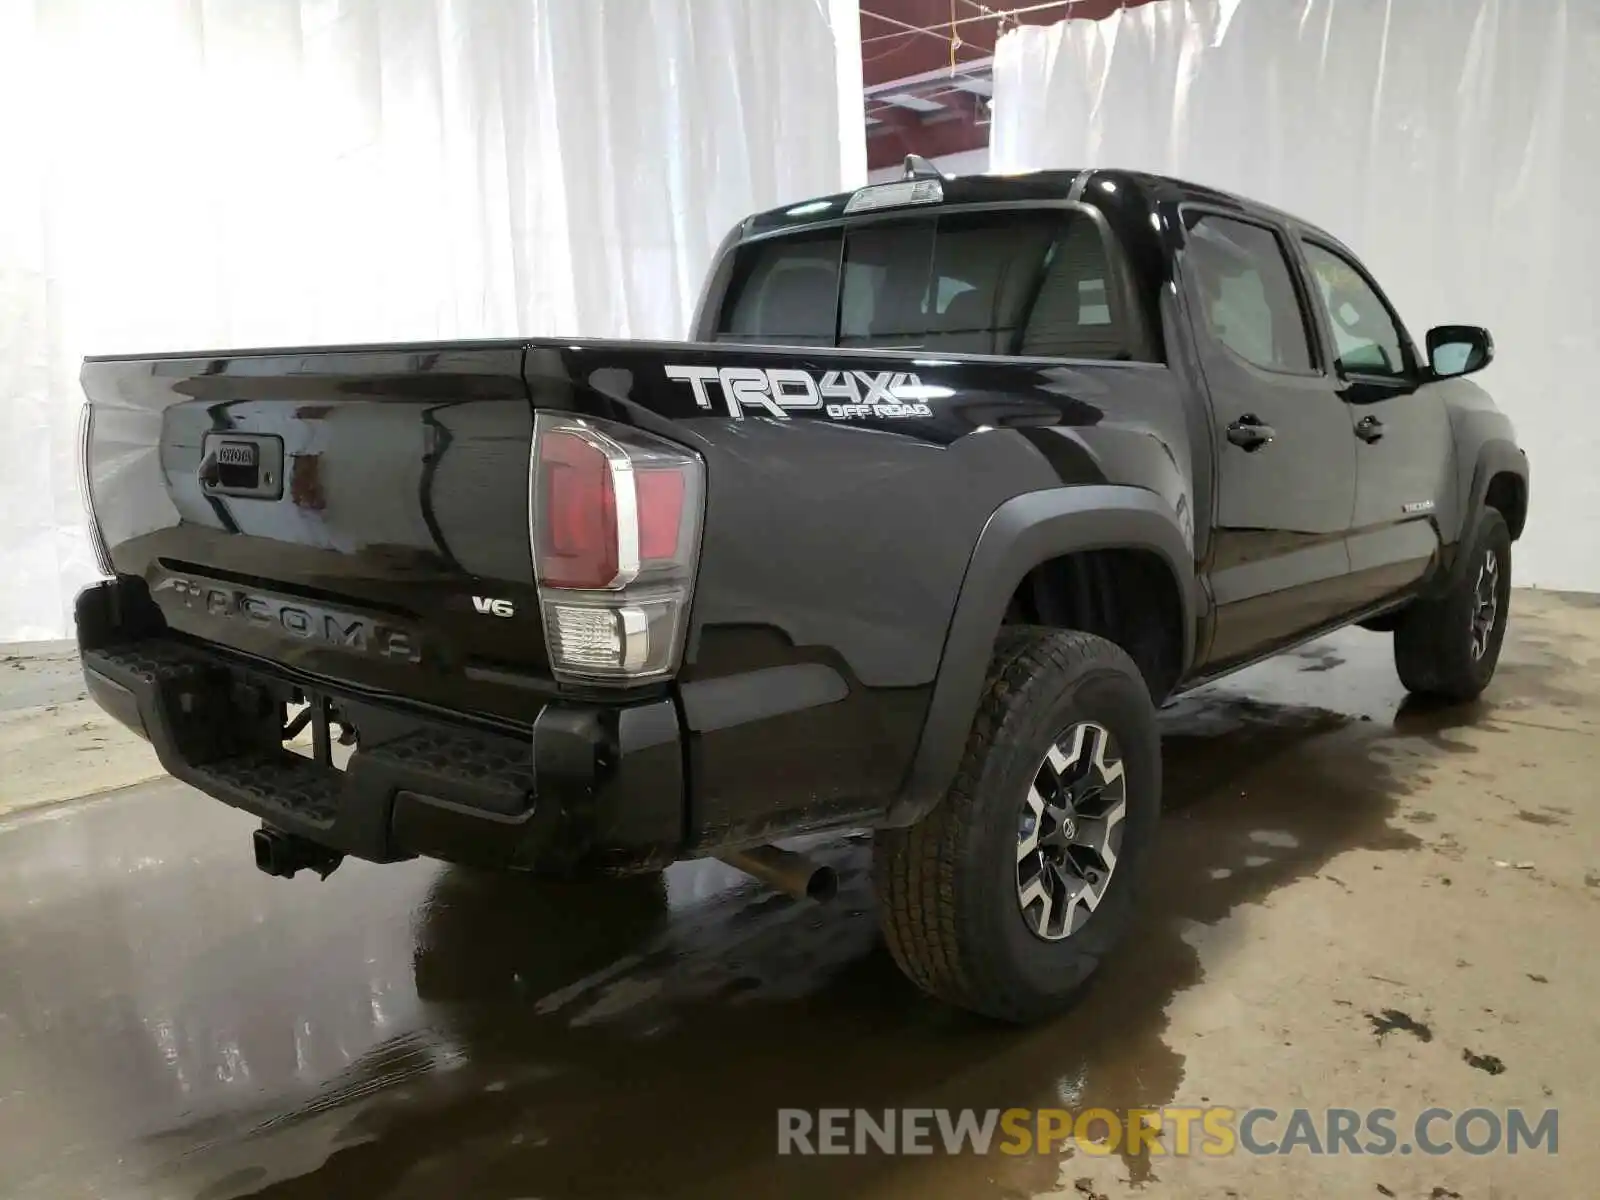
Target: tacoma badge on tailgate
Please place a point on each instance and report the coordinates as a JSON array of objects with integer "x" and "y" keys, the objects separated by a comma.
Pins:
[{"x": 298, "y": 618}]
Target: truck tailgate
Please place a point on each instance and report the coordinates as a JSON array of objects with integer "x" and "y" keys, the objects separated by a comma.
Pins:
[{"x": 351, "y": 514}]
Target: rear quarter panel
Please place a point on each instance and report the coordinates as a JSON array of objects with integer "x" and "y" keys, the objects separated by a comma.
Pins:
[{"x": 834, "y": 549}]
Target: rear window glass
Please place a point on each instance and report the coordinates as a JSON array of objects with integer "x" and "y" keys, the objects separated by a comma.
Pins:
[
  {"x": 1028, "y": 283},
  {"x": 786, "y": 292}
]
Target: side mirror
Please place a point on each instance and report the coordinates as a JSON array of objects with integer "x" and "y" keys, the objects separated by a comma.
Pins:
[{"x": 1459, "y": 349}]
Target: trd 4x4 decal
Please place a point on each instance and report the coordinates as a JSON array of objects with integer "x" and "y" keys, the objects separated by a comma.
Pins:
[{"x": 778, "y": 391}]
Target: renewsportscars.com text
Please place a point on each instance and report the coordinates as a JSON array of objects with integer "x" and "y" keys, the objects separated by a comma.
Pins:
[{"x": 1214, "y": 1131}]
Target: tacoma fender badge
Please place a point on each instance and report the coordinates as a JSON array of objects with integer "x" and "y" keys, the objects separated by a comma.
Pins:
[
  {"x": 491, "y": 607},
  {"x": 1417, "y": 506}
]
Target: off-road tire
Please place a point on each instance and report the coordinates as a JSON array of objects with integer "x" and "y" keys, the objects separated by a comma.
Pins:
[
  {"x": 1433, "y": 643},
  {"x": 947, "y": 885}
]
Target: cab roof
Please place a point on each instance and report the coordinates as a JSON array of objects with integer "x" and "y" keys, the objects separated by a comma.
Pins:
[{"x": 1087, "y": 184}]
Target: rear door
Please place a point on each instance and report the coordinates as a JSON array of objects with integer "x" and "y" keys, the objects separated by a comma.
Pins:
[
  {"x": 1285, "y": 456},
  {"x": 1403, "y": 445}
]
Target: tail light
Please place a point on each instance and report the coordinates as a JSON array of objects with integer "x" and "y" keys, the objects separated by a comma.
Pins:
[
  {"x": 97, "y": 541},
  {"x": 616, "y": 533}
]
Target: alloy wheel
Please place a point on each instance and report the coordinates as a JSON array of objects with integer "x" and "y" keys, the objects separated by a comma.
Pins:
[
  {"x": 1070, "y": 831},
  {"x": 1485, "y": 604}
]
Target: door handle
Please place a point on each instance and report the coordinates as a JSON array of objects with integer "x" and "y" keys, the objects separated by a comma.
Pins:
[
  {"x": 1249, "y": 433},
  {"x": 1369, "y": 429}
]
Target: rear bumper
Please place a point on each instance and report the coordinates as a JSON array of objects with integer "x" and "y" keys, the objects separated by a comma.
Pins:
[{"x": 586, "y": 788}]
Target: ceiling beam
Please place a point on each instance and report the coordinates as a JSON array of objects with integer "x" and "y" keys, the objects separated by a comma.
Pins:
[
  {"x": 900, "y": 132},
  {"x": 904, "y": 38}
]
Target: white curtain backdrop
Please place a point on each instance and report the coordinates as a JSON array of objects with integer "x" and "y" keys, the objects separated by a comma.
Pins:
[
  {"x": 1455, "y": 146},
  {"x": 189, "y": 174}
]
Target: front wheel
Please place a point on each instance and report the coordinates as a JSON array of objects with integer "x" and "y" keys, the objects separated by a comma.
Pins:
[
  {"x": 1006, "y": 896},
  {"x": 1448, "y": 647}
]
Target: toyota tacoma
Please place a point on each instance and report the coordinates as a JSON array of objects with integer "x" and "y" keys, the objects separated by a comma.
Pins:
[{"x": 957, "y": 481}]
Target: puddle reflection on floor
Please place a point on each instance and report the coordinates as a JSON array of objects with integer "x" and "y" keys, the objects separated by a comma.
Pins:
[{"x": 175, "y": 1021}]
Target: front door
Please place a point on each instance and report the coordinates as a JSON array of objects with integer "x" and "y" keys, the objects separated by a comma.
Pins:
[
  {"x": 1284, "y": 453},
  {"x": 1402, "y": 432}
]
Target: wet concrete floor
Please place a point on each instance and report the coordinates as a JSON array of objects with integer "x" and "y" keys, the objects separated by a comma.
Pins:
[{"x": 172, "y": 1023}]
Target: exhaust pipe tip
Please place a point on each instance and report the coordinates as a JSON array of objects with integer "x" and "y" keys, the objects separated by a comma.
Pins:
[
  {"x": 823, "y": 885},
  {"x": 786, "y": 871}
]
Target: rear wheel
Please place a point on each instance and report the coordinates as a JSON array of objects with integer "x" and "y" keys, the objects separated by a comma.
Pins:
[
  {"x": 1448, "y": 647},
  {"x": 1007, "y": 895}
]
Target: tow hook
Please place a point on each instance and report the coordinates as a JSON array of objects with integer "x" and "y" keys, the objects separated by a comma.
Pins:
[
  {"x": 786, "y": 871},
  {"x": 283, "y": 854}
]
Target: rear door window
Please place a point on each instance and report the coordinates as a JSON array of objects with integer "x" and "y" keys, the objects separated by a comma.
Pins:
[
  {"x": 1247, "y": 293},
  {"x": 1034, "y": 283}
]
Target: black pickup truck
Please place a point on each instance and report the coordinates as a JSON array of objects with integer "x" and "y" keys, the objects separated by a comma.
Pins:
[{"x": 956, "y": 483}]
